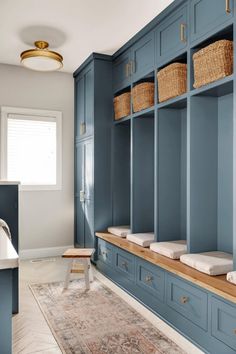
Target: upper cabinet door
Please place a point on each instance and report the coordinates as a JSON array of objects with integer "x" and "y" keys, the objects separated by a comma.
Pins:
[
  {"x": 206, "y": 15},
  {"x": 121, "y": 71},
  {"x": 84, "y": 96},
  {"x": 142, "y": 61},
  {"x": 172, "y": 35}
]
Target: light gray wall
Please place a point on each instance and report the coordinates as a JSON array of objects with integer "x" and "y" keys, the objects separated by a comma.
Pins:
[{"x": 46, "y": 217}]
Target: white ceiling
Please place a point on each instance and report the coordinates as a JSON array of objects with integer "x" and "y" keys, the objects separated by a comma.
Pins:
[{"x": 75, "y": 28}]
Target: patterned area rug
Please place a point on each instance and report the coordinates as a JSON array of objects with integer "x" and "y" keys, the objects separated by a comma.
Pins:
[{"x": 97, "y": 321}]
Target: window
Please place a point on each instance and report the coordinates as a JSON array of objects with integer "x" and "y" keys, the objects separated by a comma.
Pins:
[{"x": 31, "y": 147}]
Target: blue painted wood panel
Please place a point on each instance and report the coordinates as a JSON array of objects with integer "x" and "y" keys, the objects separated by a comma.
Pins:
[
  {"x": 224, "y": 322},
  {"x": 206, "y": 15},
  {"x": 143, "y": 175},
  {"x": 150, "y": 278},
  {"x": 225, "y": 174},
  {"x": 203, "y": 173},
  {"x": 125, "y": 263},
  {"x": 187, "y": 300},
  {"x": 105, "y": 252},
  {"x": 121, "y": 71},
  {"x": 171, "y": 174},
  {"x": 121, "y": 174},
  {"x": 142, "y": 57},
  {"x": 6, "y": 311},
  {"x": 168, "y": 35}
]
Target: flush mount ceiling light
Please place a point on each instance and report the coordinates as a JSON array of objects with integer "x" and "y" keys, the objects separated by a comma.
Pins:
[{"x": 41, "y": 58}]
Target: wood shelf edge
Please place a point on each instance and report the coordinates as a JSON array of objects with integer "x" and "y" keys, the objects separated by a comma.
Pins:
[{"x": 215, "y": 284}]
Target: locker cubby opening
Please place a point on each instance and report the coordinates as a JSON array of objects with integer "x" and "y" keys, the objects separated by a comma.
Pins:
[
  {"x": 142, "y": 194},
  {"x": 172, "y": 172},
  {"x": 211, "y": 174},
  {"x": 121, "y": 173},
  {"x": 226, "y": 33},
  {"x": 182, "y": 58}
]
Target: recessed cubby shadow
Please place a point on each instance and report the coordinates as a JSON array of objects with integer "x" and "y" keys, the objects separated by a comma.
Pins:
[
  {"x": 211, "y": 174},
  {"x": 142, "y": 193},
  {"x": 121, "y": 173},
  {"x": 171, "y": 173}
]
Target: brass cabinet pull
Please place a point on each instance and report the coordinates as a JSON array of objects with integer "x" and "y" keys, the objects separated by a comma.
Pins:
[
  {"x": 82, "y": 128},
  {"x": 184, "y": 299},
  {"x": 234, "y": 331},
  {"x": 182, "y": 32},
  {"x": 227, "y": 7},
  {"x": 124, "y": 264},
  {"x": 133, "y": 66},
  {"x": 127, "y": 70},
  {"x": 148, "y": 278}
]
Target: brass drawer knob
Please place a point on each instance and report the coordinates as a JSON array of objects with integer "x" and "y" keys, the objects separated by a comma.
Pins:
[
  {"x": 234, "y": 331},
  {"x": 124, "y": 264},
  {"x": 148, "y": 278},
  {"x": 184, "y": 299}
]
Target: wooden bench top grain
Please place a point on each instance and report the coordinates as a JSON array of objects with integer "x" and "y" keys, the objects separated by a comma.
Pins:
[{"x": 78, "y": 253}]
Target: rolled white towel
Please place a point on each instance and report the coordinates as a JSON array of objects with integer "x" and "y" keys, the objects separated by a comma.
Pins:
[
  {"x": 231, "y": 277},
  {"x": 120, "y": 231},
  {"x": 5, "y": 227}
]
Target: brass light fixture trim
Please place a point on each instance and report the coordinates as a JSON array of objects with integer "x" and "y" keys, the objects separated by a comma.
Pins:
[{"x": 41, "y": 51}]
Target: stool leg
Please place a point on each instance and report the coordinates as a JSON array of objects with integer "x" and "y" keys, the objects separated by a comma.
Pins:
[
  {"x": 86, "y": 274},
  {"x": 69, "y": 267},
  {"x": 90, "y": 271}
]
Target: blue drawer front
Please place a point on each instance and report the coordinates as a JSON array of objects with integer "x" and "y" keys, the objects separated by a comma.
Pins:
[
  {"x": 207, "y": 15},
  {"x": 124, "y": 263},
  {"x": 189, "y": 301},
  {"x": 105, "y": 252},
  {"x": 151, "y": 279},
  {"x": 224, "y": 322}
]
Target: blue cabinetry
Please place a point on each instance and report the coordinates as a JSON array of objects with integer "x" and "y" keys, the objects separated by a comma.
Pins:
[
  {"x": 84, "y": 96},
  {"x": 204, "y": 318},
  {"x": 224, "y": 322},
  {"x": 93, "y": 111},
  {"x": 172, "y": 35},
  {"x": 121, "y": 71},
  {"x": 207, "y": 15}
]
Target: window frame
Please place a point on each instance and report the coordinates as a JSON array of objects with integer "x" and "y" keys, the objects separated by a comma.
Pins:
[{"x": 32, "y": 114}]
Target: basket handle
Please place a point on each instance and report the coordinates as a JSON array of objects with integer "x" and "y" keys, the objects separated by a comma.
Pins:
[
  {"x": 182, "y": 32},
  {"x": 227, "y": 7}
]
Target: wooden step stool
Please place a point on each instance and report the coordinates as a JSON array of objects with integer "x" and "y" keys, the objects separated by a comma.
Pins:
[{"x": 81, "y": 256}]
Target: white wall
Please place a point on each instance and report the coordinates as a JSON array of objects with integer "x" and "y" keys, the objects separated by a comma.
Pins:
[{"x": 46, "y": 217}]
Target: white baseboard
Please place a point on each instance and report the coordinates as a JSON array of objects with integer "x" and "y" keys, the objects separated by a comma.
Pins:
[{"x": 43, "y": 252}]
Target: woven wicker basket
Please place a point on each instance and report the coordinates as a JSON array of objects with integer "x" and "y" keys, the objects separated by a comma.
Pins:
[
  {"x": 213, "y": 62},
  {"x": 143, "y": 96},
  {"x": 122, "y": 105},
  {"x": 172, "y": 81}
]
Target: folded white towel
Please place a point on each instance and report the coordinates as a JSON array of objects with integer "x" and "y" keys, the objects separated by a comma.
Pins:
[
  {"x": 212, "y": 263},
  {"x": 171, "y": 249},
  {"x": 5, "y": 227},
  {"x": 231, "y": 277},
  {"x": 121, "y": 231},
  {"x": 142, "y": 239}
]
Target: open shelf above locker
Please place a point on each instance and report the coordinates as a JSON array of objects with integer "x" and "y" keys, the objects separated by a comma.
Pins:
[
  {"x": 216, "y": 89},
  {"x": 146, "y": 113}
]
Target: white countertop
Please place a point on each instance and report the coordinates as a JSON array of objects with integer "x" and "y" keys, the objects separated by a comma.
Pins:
[
  {"x": 2, "y": 182},
  {"x": 8, "y": 256}
]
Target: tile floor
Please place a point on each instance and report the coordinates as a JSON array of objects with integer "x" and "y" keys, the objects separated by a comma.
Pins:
[{"x": 31, "y": 333}]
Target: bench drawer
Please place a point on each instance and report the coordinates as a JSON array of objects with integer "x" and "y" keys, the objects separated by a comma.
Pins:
[
  {"x": 150, "y": 278},
  {"x": 188, "y": 300},
  {"x": 124, "y": 263},
  {"x": 105, "y": 252},
  {"x": 224, "y": 322}
]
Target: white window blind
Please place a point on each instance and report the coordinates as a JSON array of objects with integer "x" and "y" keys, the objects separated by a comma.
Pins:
[{"x": 32, "y": 150}]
